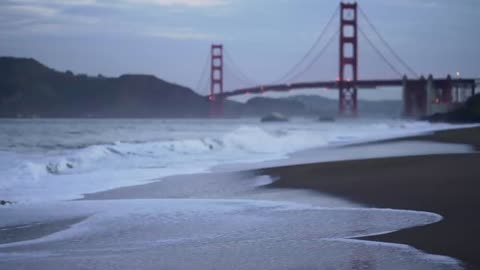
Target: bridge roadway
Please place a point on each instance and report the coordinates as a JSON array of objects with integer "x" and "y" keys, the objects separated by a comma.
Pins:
[{"x": 361, "y": 84}]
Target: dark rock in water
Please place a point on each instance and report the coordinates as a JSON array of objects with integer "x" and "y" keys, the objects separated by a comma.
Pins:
[
  {"x": 3, "y": 202},
  {"x": 265, "y": 105},
  {"x": 469, "y": 113},
  {"x": 326, "y": 119},
  {"x": 274, "y": 117}
]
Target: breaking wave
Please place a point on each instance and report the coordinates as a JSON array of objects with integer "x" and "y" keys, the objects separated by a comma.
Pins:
[
  {"x": 113, "y": 157},
  {"x": 243, "y": 141}
]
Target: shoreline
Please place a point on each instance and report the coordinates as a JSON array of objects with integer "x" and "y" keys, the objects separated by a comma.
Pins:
[
  {"x": 460, "y": 135},
  {"x": 383, "y": 182},
  {"x": 360, "y": 181},
  {"x": 444, "y": 184}
]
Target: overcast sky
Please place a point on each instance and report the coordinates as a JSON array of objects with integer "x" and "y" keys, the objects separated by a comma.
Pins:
[{"x": 171, "y": 38}]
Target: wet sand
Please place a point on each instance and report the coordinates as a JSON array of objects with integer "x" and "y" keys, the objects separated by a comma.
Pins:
[
  {"x": 448, "y": 185},
  {"x": 30, "y": 231}
]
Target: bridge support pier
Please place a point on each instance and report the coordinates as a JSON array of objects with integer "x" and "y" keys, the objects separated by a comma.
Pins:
[
  {"x": 463, "y": 91},
  {"x": 425, "y": 97},
  {"x": 414, "y": 97},
  {"x": 216, "y": 107},
  {"x": 347, "y": 100},
  {"x": 447, "y": 90},
  {"x": 439, "y": 95}
]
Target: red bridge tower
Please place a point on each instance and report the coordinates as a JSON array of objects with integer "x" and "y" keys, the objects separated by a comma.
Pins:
[
  {"x": 216, "y": 80},
  {"x": 348, "y": 60}
]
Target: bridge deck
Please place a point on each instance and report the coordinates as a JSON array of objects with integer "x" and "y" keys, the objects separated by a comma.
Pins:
[{"x": 361, "y": 84}]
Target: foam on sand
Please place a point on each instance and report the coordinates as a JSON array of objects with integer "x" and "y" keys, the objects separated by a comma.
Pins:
[{"x": 183, "y": 233}]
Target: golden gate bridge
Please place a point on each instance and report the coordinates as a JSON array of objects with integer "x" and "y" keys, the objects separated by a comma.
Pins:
[{"x": 421, "y": 96}]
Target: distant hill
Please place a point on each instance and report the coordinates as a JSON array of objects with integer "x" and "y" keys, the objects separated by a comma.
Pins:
[{"x": 30, "y": 89}]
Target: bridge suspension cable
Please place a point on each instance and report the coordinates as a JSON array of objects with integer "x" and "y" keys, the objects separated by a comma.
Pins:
[
  {"x": 387, "y": 45},
  {"x": 317, "y": 56},
  {"x": 203, "y": 77},
  {"x": 394, "y": 69},
  {"x": 237, "y": 71},
  {"x": 292, "y": 70},
  {"x": 237, "y": 82}
]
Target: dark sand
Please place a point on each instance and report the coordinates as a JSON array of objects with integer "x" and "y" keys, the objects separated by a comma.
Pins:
[
  {"x": 448, "y": 185},
  {"x": 469, "y": 136}
]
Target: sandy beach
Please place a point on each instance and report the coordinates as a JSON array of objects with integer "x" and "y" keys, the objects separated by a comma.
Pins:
[
  {"x": 312, "y": 216},
  {"x": 444, "y": 184}
]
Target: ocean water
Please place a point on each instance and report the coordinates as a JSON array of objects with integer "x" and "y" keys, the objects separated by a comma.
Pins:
[
  {"x": 42, "y": 160},
  {"x": 186, "y": 218}
]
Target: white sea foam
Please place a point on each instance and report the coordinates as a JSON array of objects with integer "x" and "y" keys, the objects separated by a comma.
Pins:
[
  {"x": 55, "y": 159},
  {"x": 248, "y": 234}
]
